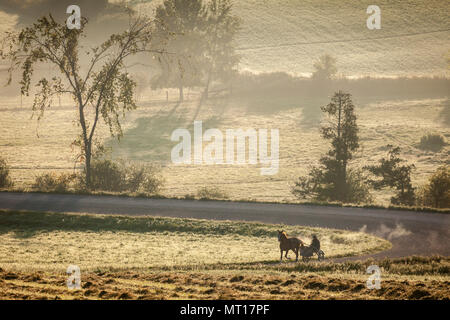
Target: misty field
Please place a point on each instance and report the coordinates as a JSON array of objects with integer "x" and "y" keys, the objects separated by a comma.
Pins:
[
  {"x": 399, "y": 81},
  {"x": 276, "y": 36},
  {"x": 288, "y": 35},
  {"x": 32, "y": 147},
  {"x": 171, "y": 258}
]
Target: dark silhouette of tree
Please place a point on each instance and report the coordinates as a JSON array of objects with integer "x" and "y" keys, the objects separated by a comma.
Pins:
[
  {"x": 181, "y": 22},
  {"x": 332, "y": 181},
  {"x": 5, "y": 177},
  {"x": 102, "y": 89},
  {"x": 392, "y": 174},
  {"x": 436, "y": 193}
]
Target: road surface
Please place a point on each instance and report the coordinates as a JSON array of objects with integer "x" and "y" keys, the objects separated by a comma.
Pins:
[{"x": 411, "y": 233}]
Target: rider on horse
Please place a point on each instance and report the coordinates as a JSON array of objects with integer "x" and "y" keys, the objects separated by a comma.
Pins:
[{"x": 315, "y": 243}]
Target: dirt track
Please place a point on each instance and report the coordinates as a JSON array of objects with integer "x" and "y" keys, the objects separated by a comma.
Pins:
[{"x": 411, "y": 233}]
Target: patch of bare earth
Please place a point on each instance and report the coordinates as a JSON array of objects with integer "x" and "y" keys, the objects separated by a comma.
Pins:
[{"x": 202, "y": 285}]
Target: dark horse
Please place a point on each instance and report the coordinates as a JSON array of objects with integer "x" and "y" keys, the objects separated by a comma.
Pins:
[{"x": 287, "y": 244}]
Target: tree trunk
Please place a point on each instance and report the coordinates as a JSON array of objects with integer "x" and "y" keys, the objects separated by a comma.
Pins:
[
  {"x": 341, "y": 183},
  {"x": 208, "y": 81},
  {"x": 88, "y": 155},
  {"x": 205, "y": 92},
  {"x": 181, "y": 93}
]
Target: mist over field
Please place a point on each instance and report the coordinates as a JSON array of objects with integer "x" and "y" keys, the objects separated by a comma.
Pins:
[
  {"x": 323, "y": 108},
  {"x": 288, "y": 35},
  {"x": 278, "y": 43}
]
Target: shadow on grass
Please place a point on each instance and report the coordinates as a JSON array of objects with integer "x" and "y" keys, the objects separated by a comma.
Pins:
[
  {"x": 149, "y": 140},
  {"x": 271, "y": 102},
  {"x": 413, "y": 265},
  {"x": 26, "y": 224}
]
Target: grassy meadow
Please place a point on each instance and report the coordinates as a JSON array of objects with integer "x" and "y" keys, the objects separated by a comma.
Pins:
[
  {"x": 399, "y": 80},
  {"x": 32, "y": 148},
  {"x": 276, "y": 36},
  {"x": 167, "y": 258}
]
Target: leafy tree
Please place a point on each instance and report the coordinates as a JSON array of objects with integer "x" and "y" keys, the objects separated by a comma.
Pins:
[
  {"x": 5, "y": 178},
  {"x": 330, "y": 181},
  {"x": 221, "y": 29},
  {"x": 103, "y": 89},
  {"x": 393, "y": 174},
  {"x": 437, "y": 192},
  {"x": 325, "y": 68},
  {"x": 181, "y": 22}
]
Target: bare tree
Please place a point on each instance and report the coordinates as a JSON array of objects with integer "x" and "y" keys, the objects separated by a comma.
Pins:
[{"x": 102, "y": 89}]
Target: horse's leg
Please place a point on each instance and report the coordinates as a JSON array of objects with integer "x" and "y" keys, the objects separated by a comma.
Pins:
[
  {"x": 296, "y": 254},
  {"x": 287, "y": 251},
  {"x": 281, "y": 258}
]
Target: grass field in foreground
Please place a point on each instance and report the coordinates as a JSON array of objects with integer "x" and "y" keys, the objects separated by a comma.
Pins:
[
  {"x": 52, "y": 241},
  {"x": 406, "y": 278},
  {"x": 166, "y": 258}
]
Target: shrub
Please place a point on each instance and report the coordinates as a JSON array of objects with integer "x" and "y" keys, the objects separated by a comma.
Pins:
[
  {"x": 213, "y": 193},
  {"x": 5, "y": 179},
  {"x": 50, "y": 182},
  {"x": 107, "y": 175},
  {"x": 432, "y": 142},
  {"x": 143, "y": 178},
  {"x": 437, "y": 192}
]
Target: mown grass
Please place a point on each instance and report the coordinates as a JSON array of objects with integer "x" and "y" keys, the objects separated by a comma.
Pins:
[{"x": 406, "y": 278}]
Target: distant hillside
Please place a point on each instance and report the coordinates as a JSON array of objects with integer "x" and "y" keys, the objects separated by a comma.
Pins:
[
  {"x": 288, "y": 35},
  {"x": 275, "y": 33}
]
